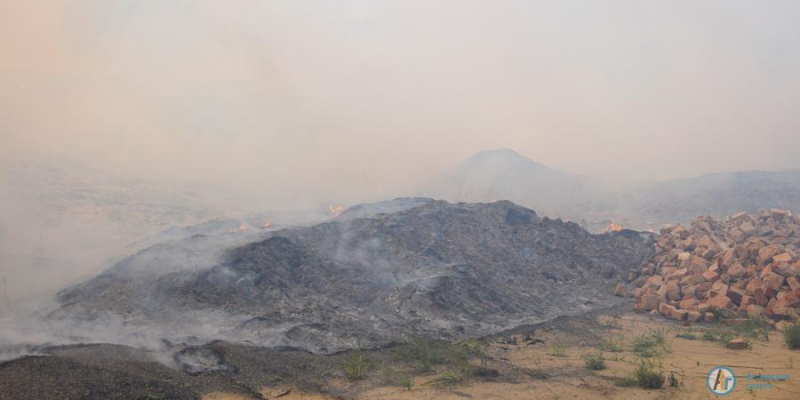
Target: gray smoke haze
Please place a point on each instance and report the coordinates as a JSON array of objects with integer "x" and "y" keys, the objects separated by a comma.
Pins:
[
  {"x": 267, "y": 105},
  {"x": 361, "y": 98}
]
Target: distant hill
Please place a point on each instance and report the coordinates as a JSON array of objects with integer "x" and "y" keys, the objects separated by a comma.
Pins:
[
  {"x": 717, "y": 194},
  {"x": 507, "y": 175}
]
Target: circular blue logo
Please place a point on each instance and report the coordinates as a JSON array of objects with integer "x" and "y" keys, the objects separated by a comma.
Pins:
[{"x": 721, "y": 381}]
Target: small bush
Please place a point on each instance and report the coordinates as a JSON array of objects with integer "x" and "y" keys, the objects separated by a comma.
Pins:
[
  {"x": 651, "y": 344},
  {"x": 644, "y": 346},
  {"x": 756, "y": 327},
  {"x": 659, "y": 336},
  {"x": 424, "y": 353},
  {"x": 402, "y": 379},
  {"x": 791, "y": 336},
  {"x": 357, "y": 365},
  {"x": 595, "y": 361},
  {"x": 686, "y": 335},
  {"x": 647, "y": 377},
  {"x": 718, "y": 334},
  {"x": 460, "y": 356}
]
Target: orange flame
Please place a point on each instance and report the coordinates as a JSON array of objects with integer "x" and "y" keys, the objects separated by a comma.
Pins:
[
  {"x": 335, "y": 210},
  {"x": 266, "y": 225},
  {"x": 613, "y": 228},
  {"x": 243, "y": 227}
]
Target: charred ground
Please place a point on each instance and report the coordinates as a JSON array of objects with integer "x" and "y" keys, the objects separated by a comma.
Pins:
[{"x": 443, "y": 270}]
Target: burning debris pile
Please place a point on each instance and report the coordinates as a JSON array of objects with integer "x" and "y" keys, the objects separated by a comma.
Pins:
[
  {"x": 746, "y": 264},
  {"x": 445, "y": 270}
]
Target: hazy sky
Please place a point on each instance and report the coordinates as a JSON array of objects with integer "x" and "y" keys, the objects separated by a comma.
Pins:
[{"x": 371, "y": 95}]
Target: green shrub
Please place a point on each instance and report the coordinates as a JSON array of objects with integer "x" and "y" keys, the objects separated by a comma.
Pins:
[
  {"x": 791, "y": 336},
  {"x": 647, "y": 377},
  {"x": 401, "y": 378},
  {"x": 721, "y": 335},
  {"x": 595, "y": 361},
  {"x": 424, "y": 353},
  {"x": 756, "y": 327},
  {"x": 651, "y": 344},
  {"x": 659, "y": 336},
  {"x": 357, "y": 365},
  {"x": 644, "y": 346},
  {"x": 460, "y": 356}
]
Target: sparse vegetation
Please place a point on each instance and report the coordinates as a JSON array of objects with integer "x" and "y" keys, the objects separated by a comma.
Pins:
[
  {"x": 613, "y": 321},
  {"x": 651, "y": 344},
  {"x": 558, "y": 350},
  {"x": 401, "y": 378},
  {"x": 627, "y": 381},
  {"x": 791, "y": 336},
  {"x": 611, "y": 345},
  {"x": 646, "y": 375},
  {"x": 357, "y": 365},
  {"x": 460, "y": 355},
  {"x": 659, "y": 335},
  {"x": 756, "y": 327},
  {"x": 686, "y": 335},
  {"x": 719, "y": 334},
  {"x": 423, "y": 353},
  {"x": 595, "y": 361},
  {"x": 538, "y": 372},
  {"x": 448, "y": 378}
]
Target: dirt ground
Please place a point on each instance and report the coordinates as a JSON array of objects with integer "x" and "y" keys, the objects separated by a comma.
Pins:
[
  {"x": 539, "y": 362},
  {"x": 690, "y": 360}
]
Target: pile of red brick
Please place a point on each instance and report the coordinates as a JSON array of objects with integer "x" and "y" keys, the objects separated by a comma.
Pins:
[{"x": 746, "y": 264}]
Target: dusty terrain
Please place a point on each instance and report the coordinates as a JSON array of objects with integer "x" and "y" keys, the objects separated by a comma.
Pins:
[
  {"x": 690, "y": 360},
  {"x": 539, "y": 362}
]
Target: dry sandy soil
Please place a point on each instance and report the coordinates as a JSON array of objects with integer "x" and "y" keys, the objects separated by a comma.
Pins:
[
  {"x": 568, "y": 378},
  {"x": 514, "y": 365}
]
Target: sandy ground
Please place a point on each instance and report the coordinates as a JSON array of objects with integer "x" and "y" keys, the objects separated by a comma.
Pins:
[
  {"x": 537, "y": 362},
  {"x": 689, "y": 360}
]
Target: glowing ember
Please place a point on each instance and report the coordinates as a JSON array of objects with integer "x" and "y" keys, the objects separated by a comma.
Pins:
[
  {"x": 243, "y": 227},
  {"x": 266, "y": 225},
  {"x": 335, "y": 210},
  {"x": 613, "y": 228}
]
